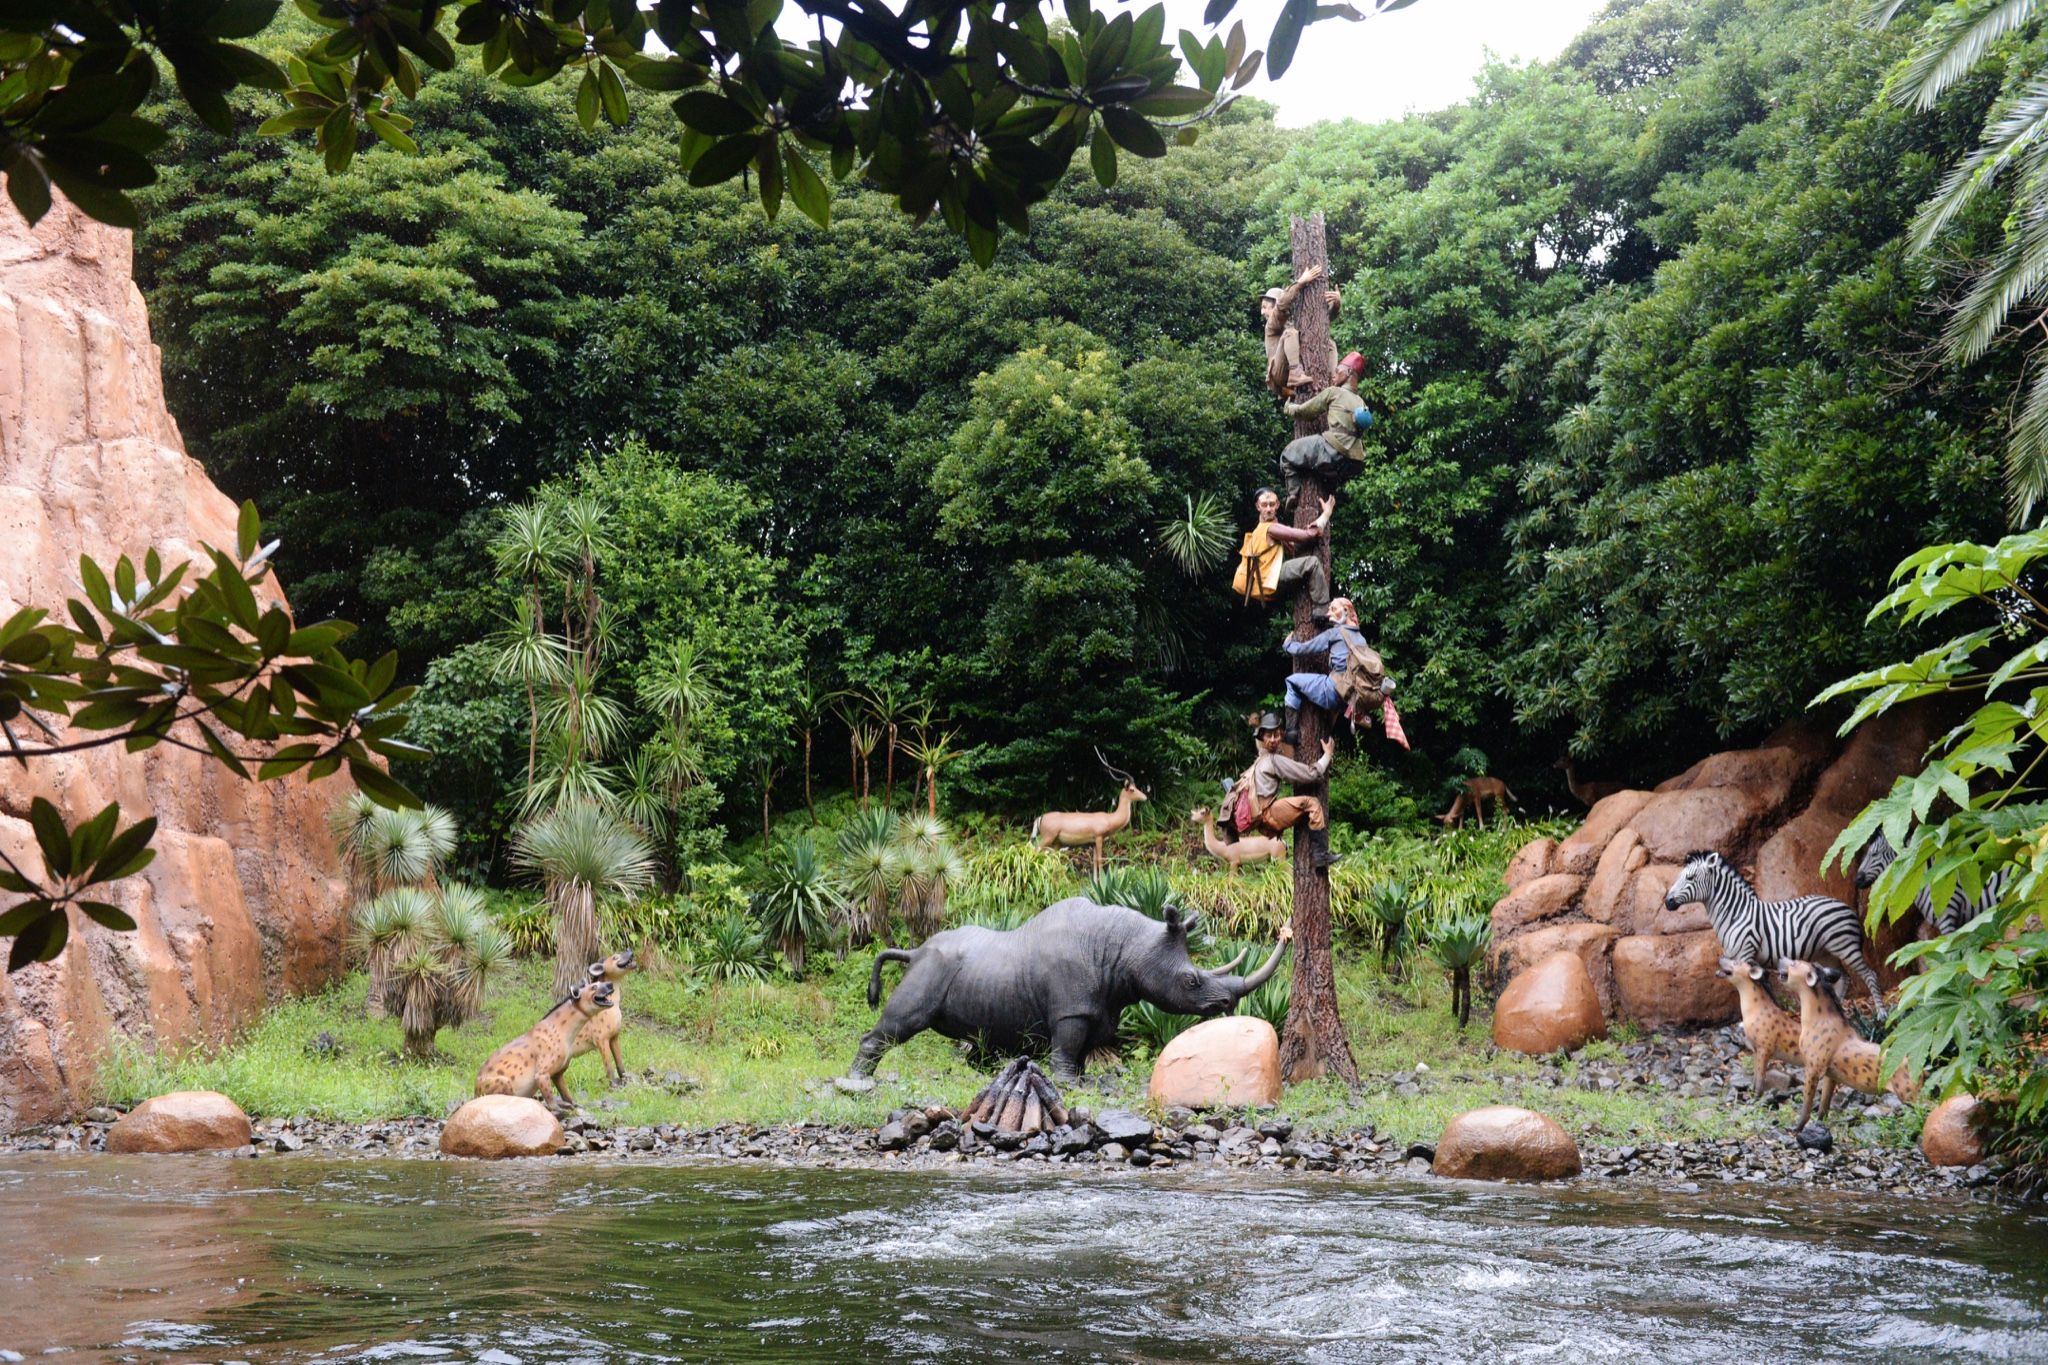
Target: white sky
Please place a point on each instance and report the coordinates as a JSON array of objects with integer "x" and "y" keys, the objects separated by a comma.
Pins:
[{"x": 1420, "y": 58}]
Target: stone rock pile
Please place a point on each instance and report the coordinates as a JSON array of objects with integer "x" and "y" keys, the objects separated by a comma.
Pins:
[{"x": 1772, "y": 811}]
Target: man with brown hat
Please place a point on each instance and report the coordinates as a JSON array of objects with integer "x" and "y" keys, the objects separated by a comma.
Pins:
[
  {"x": 1259, "y": 791},
  {"x": 1285, "y": 376},
  {"x": 1337, "y": 452}
]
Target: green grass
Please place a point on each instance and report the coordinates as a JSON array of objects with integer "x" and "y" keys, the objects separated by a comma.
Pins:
[{"x": 758, "y": 1052}]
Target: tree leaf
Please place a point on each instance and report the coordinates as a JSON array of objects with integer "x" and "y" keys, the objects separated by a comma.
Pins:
[
  {"x": 109, "y": 916},
  {"x": 1132, "y": 132},
  {"x": 1102, "y": 158},
  {"x": 806, "y": 188},
  {"x": 51, "y": 836},
  {"x": 381, "y": 787}
]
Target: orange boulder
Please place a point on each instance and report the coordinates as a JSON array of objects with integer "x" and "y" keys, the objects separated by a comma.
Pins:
[
  {"x": 1669, "y": 979},
  {"x": 182, "y": 1121},
  {"x": 1949, "y": 1137},
  {"x": 1553, "y": 1005},
  {"x": 491, "y": 1127},
  {"x": 1230, "y": 1061},
  {"x": 1502, "y": 1142}
]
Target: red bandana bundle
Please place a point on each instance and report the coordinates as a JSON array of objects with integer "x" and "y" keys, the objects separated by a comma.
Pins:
[{"x": 1393, "y": 722}]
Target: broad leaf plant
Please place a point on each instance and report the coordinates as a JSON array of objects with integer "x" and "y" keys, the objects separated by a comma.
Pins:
[
  {"x": 157, "y": 655},
  {"x": 967, "y": 108},
  {"x": 1972, "y": 1017}
]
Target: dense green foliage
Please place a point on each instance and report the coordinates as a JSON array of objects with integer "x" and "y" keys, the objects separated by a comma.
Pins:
[{"x": 1659, "y": 383}]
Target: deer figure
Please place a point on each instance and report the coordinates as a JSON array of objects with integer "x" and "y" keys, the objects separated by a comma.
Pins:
[
  {"x": 1478, "y": 791},
  {"x": 1249, "y": 848},
  {"x": 1071, "y": 829},
  {"x": 1588, "y": 792}
]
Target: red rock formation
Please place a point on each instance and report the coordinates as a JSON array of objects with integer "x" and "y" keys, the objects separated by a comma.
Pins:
[
  {"x": 1217, "y": 1063},
  {"x": 1772, "y": 810},
  {"x": 243, "y": 901}
]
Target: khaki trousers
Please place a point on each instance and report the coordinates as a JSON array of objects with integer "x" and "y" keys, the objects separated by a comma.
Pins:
[{"x": 1288, "y": 811}]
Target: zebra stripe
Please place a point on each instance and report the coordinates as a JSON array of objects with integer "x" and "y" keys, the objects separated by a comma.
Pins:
[
  {"x": 1960, "y": 909},
  {"x": 1752, "y": 929}
]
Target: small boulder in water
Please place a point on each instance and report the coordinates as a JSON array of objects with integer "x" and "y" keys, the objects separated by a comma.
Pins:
[
  {"x": 1502, "y": 1142},
  {"x": 491, "y": 1127},
  {"x": 182, "y": 1121}
]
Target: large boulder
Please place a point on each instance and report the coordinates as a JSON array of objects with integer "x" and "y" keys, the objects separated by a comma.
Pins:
[
  {"x": 1531, "y": 860},
  {"x": 1590, "y": 941},
  {"x": 1553, "y": 1005},
  {"x": 1502, "y": 1142},
  {"x": 1950, "y": 1137},
  {"x": 244, "y": 901},
  {"x": 1669, "y": 979},
  {"x": 492, "y": 1127},
  {"x": 1544, "y": 898},
  {"x": 1607, "y": 894},
  {"x": 1230, "y": 1062},
  {"x": 1580, "y": 853},
  {"x": 181, "y": 1121}
]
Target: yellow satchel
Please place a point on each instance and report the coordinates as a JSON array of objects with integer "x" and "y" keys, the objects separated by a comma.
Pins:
[{"x": 1258, "y": 567}]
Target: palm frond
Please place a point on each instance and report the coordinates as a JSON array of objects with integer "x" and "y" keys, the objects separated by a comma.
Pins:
[
  {"x": 1200, "y": 538},
  {"x": 1952, "y": 42},
  {"x": 2012, "y": 136},
  {"x": 2026, "y": 453}
]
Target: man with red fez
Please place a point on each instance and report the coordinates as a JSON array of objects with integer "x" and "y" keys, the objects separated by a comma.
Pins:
[{"x": 1336, "y": 453}]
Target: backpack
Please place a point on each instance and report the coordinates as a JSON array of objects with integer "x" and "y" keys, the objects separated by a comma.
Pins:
[
  {"x": 1363, "y": 683},
  {"x": 1258, "y": 567}
]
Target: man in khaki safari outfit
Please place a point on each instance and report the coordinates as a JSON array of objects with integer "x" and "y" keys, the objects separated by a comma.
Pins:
[
  {"x": 1265, "y": 572},
  {"x": 1272, "y": 813}
]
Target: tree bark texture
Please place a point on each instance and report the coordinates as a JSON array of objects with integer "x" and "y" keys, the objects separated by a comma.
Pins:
[{"x": 1314, "y": 1043}]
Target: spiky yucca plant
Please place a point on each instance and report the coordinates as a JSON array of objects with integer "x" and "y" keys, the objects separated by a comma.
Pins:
[
  {"x": 928, "y": 861},
  {"x": 799, "y": 901},
  {"x": 732, "y": 949},
  {"x": 871, "y": 863},
  {"x": 430, "y": 957},
  {"x": 581, "y": 851},
  {"x": 1458, "y": 945}
]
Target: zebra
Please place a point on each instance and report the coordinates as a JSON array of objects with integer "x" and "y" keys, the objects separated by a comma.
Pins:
[
  {"x": 1960, "y": 909},
  {"x": 1752, "y": 929}
]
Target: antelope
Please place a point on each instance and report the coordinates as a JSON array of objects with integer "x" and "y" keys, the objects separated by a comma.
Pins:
[
  {"x": 1831, "y": 1050},
  {"x": 1071, "y": 829},
  {"x": 1588, "y": 792},
  {"x": 1249, "y": 848},
  {"x": 1478, "y": 791}
]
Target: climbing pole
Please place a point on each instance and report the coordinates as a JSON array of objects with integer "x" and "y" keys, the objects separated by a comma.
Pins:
[{"x": 1313, "y": 1043}]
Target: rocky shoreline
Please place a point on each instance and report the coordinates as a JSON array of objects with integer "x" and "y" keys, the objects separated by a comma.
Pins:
[
  {"x": 1113, "y": 1139},
  {"x": 1105, "y": 1133}
]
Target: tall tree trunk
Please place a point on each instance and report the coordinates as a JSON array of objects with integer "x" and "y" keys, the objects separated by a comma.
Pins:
[
  {"x": 807, "y": 788},
  {"x": 1313, "y": 1043},
  {"x": 576, "y": 943}
]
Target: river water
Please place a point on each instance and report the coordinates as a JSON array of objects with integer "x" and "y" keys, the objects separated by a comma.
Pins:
[{"x": 305, "y": 1259}]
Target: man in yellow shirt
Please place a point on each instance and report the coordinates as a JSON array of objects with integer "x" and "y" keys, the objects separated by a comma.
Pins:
[{"x": 1265, "y": 572}]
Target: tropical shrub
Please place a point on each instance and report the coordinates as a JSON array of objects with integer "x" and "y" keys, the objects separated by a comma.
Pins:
[
  {"x": 733, "y": 948},
  {"x": 1458, "y": 945},
  {"x": 799, "y": 902},
  {"x": 581, "y": 851},
  {"x": 434, "y": 954},
  {"x": 1975, "y": 1017}
]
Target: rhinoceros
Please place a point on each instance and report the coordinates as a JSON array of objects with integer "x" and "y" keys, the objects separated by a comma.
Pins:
[{"x": 1060, "y": 981}]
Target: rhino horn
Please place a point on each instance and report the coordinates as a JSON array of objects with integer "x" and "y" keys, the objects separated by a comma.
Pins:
[
  {"x": 1227, "y": 968},
  {"x": 1242, "y": 986}
]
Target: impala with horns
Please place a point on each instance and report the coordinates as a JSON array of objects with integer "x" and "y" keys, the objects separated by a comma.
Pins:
[
  {"x": 1059, "y": 982},
  {"x": 1073, "y": 828}
]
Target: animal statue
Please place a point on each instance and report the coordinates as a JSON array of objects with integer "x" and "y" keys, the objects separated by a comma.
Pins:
[
  {"x": 1059, "y": 981},
  {"x": 532, "y": 1064},
  {"x": 1752, "y": 929},
  {"x": 600, "y": 1033},
  {"x": 1249, "y": 848},
  {"x": 1773, "y": 1034},
  {"x": 1830, "y": 1050},
  {"x": 1589, "y": 792},
  {"x": 1071, "y": 829},
  {"x": 1960, "y": 909},
  {"x": 1478, "y": 791}
]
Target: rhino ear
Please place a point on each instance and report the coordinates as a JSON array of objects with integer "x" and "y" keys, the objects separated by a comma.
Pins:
[{"x": 1173, "y": 924}]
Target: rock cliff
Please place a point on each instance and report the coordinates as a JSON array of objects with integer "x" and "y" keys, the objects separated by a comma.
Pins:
[
  {"x": 244, "y": 901},
  {"x": 1772, "y": 811}
]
